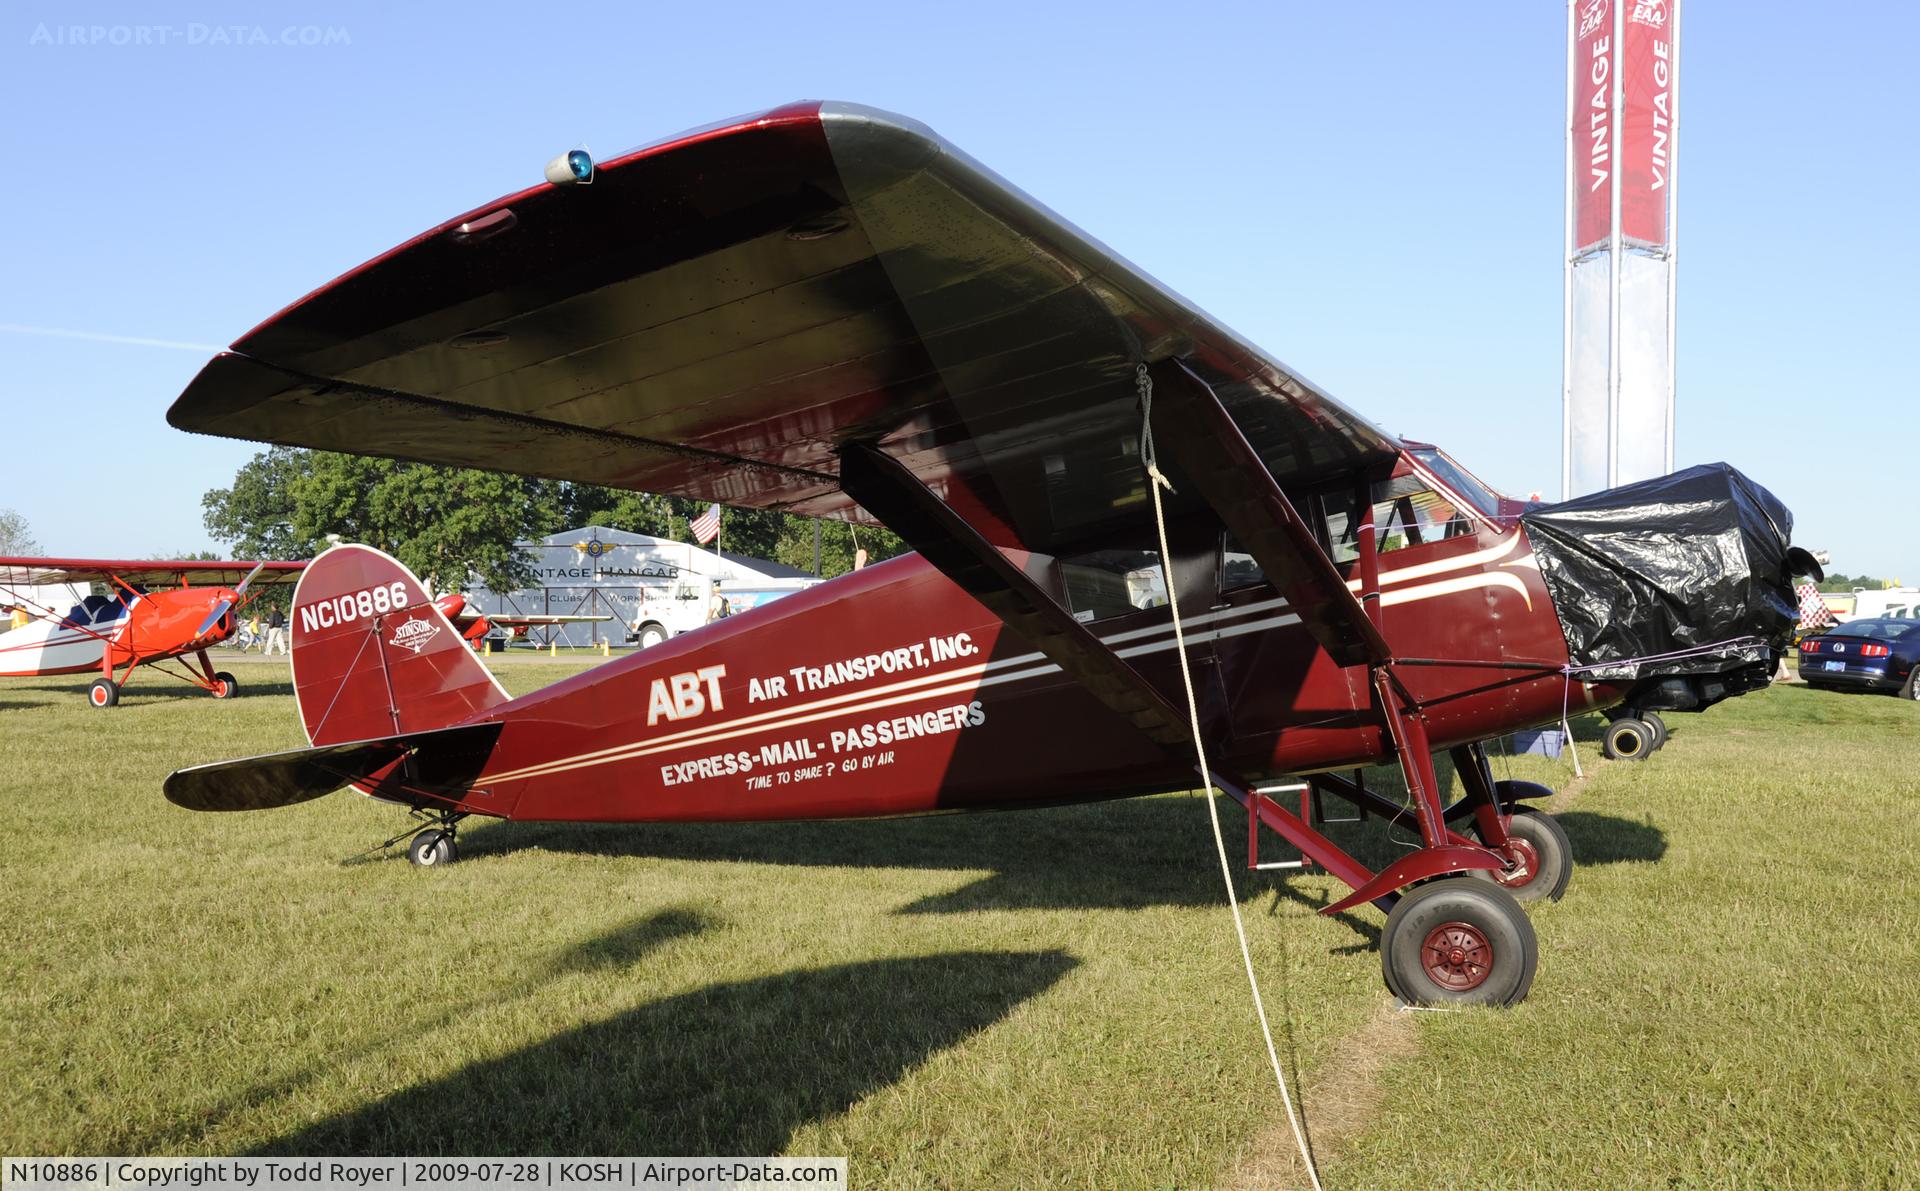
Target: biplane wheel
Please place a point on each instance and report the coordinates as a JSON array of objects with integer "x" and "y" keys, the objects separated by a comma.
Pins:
[
  {"x": 1659, "y": 726},
  {"x": 225, "y": 685},
  {"x": 433, "y": 848},
  {"x": 1627, "y": 740},
  {"x": 1454, "y": 942},
  {"x": 1541, "y": 853},
  {"x": 103, "y": 693}
]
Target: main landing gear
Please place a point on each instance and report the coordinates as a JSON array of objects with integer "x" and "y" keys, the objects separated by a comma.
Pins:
[
  {"x": 103, "y": 693},
  {"x": 1458, "y": 942},
  {"x": 1538, "y": 855}
]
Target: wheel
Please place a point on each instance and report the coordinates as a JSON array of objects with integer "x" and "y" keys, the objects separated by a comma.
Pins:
[
  {"x": 1912, "y": 689},
  {"x": 1627, "y": 740},
  {"x": 652, "y": 635},
  {"x": 1454, "y": 942},
  {"x": 432, "y": 848},
  {"x": 1541, "y": 854},
  {"x": 1652, "y": 720},
  {"x": 103, "y": 693},
  {"x": 225, "y": 685}
]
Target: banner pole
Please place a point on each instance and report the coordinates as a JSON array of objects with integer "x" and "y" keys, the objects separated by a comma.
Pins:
[{"x": 1673, "y": 231}]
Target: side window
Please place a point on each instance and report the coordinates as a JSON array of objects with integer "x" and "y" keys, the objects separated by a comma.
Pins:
[
  {"x": 1103, "y": 583},
  {"x": 1238, "y": 568},
  {"x": 1405, "y": 513}
]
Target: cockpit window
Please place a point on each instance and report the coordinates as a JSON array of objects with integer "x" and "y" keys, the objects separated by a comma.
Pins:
[
  {"x": 1406, "y": 512},
  {"x": 1460, "y": 480}
]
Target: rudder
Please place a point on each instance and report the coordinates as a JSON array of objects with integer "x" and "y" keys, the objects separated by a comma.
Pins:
[{"x": 373, "y": 657}]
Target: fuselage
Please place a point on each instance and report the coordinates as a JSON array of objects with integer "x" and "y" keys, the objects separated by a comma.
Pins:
[
  {"x": 892, "y": 691},
  {"x": 149, "y": 626}
]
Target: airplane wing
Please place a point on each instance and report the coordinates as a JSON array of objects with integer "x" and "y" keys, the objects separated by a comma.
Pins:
[
  {"x": 722, "y": 314},
  {"x": 142, "y": 572}
]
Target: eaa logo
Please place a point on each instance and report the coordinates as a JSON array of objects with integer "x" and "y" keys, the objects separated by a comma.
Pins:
[
  {"x": 1593, "y": 14},
  {"x": 1651, "y": 13},
  {"x": 414, "y": 634}
]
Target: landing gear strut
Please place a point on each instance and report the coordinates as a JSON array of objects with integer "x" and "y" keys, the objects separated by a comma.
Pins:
[{"x": 434, "y": 845}]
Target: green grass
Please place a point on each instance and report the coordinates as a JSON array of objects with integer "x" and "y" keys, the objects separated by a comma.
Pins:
[{"x": 1725, "y": 997}]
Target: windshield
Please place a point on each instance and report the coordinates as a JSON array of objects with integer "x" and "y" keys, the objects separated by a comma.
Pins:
[
  {"x": 1878, "y": 630},
  {"x": 1460, "y": 480}
]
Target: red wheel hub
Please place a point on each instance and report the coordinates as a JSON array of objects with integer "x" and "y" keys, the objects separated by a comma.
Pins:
[
  {"x": 1525, "y": 861},
  {"x": 1457, "y": 956}
]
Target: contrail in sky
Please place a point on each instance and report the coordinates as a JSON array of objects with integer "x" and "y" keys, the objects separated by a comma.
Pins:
[{"x": 96, "y": 337}]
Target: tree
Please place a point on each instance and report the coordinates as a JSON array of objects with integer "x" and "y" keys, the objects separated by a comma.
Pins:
[
  {"x": 442, "y": 522},
  {"x": 15, "y": 537},
  {"x": 256, "y": 513},
  {"x": 449, "y": 524}
]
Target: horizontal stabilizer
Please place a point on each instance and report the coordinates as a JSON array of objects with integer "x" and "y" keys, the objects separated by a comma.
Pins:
[{"x": 283, "y": 779}]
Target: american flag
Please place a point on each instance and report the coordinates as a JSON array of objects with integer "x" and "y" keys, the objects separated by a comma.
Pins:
[{"x": 707, "y": 525}]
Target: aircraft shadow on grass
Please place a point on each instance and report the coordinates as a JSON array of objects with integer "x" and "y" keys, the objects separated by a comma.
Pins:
[
  {"x": 621, "y": 947},
  {"x": 730, "y": 1069},
  {"x": 1126, "y": 854}
]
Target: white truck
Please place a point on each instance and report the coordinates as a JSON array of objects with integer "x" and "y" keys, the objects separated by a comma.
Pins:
[
  {"x": 693, "y": 600},
  {"x": 1898, "y": 602}
]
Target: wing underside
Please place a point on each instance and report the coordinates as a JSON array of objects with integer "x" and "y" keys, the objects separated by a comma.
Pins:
[
  {"x": 720, "y": 316},
  {"x": 142, "y": 572}
]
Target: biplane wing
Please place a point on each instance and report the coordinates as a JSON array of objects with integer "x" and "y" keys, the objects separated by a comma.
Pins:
[
  {"x": 142, "y": 572},
  {"x": 719, "y": 315}
]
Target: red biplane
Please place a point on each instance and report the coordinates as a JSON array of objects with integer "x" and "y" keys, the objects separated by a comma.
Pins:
[
  {"x": 152, "y": 614},
  {"x": 474, "y": 625},
  {"x": 828, "y": 309}
]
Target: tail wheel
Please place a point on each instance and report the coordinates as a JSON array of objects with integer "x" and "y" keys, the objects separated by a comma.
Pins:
[
  {"x": 1627, "y": 740},
  {"x": 433, "y": 848},
  {"x": 103, "y": 693},
  {"x": 1455, "y": 942},
  {"x": 1659, "y": 726},
  {"x": 1539, "y": 855},
  {"x": 225, "y": 685}
]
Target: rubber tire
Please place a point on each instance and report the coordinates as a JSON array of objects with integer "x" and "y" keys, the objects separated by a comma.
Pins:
[
  {"x": 652, "y": 634},
  {"x": 1550, "y": 844},
  {"x": 1481, "y": 904},
  {"x": 1627, "y": 740},
  {"x": 1660, "y": 734},
  {"x": 103, "y": 693},
  {"x": 1912, "y": 689},
  {"x": 432, "y": 848},
  {"x": 231, "y": 687}
]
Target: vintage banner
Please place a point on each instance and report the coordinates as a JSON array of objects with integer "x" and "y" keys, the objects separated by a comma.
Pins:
[
  {"x": 1593, "y": 123},
  {"x": 1646, "y": 124}
]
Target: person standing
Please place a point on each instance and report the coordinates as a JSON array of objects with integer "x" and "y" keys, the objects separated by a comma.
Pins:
[{"x": 276, "y": 632}]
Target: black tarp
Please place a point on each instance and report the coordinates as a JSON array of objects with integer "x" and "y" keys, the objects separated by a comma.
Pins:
[{"x": 1693, "y": 561}]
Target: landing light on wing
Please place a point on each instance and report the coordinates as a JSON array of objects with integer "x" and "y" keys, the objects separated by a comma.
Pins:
[{"x": 573, "y": 168}]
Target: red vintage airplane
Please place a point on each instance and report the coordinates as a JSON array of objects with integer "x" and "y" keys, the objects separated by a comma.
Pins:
[
  {"x": 474, "y": 625},
  {"x": 830, "y": 310},
  {"x": 154, "y": 614}
]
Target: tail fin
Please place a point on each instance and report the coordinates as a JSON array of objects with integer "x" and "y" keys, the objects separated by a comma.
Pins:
[{"x": 373, "y": 657}]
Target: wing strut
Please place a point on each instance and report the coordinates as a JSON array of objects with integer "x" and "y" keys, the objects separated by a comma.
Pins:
[
  {"x": 1230, "y": 476},
  {"x": 1224, "y": 468},
  {"x": 895, "y": 495}
]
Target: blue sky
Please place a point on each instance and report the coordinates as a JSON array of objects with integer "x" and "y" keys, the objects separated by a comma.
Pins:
[{"x": 1372, "y": 193}]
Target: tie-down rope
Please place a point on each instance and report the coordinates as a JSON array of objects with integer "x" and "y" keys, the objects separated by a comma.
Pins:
[{"x": 1155, "y": 481}]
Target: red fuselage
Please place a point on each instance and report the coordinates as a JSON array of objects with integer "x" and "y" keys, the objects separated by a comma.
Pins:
[{"x": 891, "y": 691}]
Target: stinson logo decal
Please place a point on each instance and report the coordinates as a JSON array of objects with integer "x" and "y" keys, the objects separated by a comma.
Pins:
[{"x": 414, "y": 634}]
